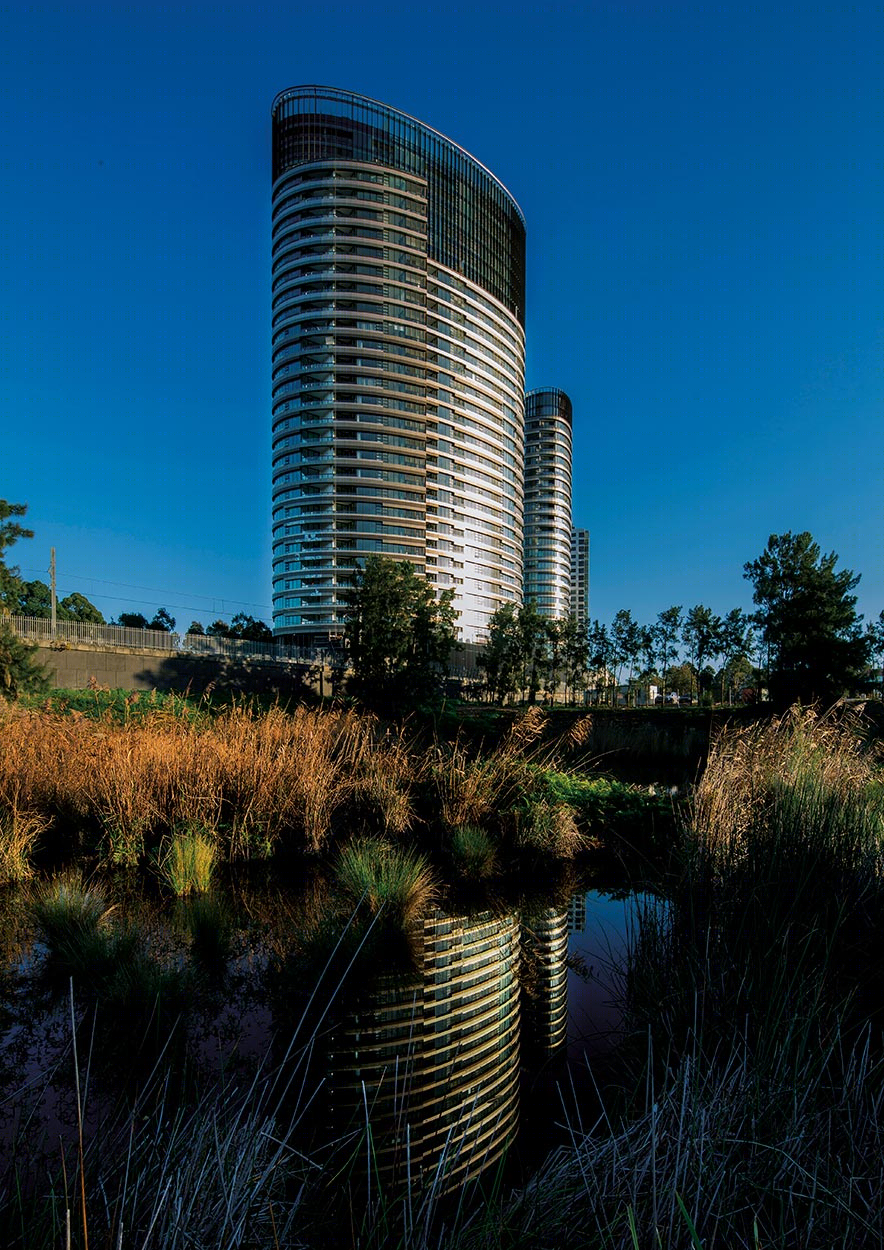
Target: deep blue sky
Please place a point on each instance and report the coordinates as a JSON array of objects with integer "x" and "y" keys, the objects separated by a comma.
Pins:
[{"x": 704, "y": 195}]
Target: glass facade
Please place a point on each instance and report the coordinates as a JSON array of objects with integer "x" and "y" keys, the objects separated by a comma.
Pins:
[
  {"x": 398, "y": 361},
  {"x": 547, "y": 564},
  {"x": 580, "y": 575}
]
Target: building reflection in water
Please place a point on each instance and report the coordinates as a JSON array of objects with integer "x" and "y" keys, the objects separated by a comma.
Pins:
[
  {"x": 544, "y": 981},
  {"x": 430, "y": 1060}
]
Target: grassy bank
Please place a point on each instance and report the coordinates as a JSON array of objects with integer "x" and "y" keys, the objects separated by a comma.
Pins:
[
  {"x": 746, "y": 1108},
  {"x": 178, "y": 786}
]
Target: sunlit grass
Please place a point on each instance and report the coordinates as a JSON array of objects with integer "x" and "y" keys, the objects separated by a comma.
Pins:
[
  {"x": 188, "y": 863},
  {"x": 20, "y": 831},
  {"x": 386, "y": 878}
]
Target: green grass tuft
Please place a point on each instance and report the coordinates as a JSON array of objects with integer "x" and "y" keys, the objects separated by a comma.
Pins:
[
  {"x": 188, "y": 863},
  {"x": 473, "y": 852},
  {"x": 386, "y": 878}
]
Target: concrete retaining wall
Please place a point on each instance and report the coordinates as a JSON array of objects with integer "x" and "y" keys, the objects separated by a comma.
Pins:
[{"x": 77, "y": 667}]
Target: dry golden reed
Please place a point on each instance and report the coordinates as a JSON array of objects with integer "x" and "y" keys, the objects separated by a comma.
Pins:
[
  {"x": 751, "y": 769},
  {"x": 19, "y": 831},
  {"x": 250, "y": 781},
  {"x": 250, "y": 778}
]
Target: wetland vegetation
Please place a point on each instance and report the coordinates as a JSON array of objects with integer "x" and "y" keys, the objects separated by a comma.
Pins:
[{"x": 302, "y": 882}]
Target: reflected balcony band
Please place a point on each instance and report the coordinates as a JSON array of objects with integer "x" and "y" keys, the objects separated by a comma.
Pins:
[{"x": 436, "y": 1055}]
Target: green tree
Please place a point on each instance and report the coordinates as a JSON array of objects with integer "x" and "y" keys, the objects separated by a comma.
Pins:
[
  {"x": 219, "y": 629},
  {"x": 77, "y": 607},
  {"x": 680, "y": 679},
  {"x": 249, "y": 629},
  {"x": 398, "y": 633},
  {"x": 875, "y": 642},
  {"x": 807, "y": 619},
  {"x": 10, "y": 533},
  {"x": 701, "y": 634},
  {"x": 648, "y": 652},
  {"x": 33, "y": 599},
  {"x": 575, "y": 654},
  {"x": 600, "y": 658},
  {"x": 195, "y": 627},
  {"x": 555, "y": 634},
  {"x": 666, "y": 634},
  {"x": 20, "y": 670},
  {"x": 162, "y": 622},
  {"x": 626, "y": 644},
  {"x": 737, "y": 643},
  {"x": 532, "y": 636},
  {"x": 131, "y": 620},
  {"x": 499, "y": 657},
  {"x": 737, "y": 674}
]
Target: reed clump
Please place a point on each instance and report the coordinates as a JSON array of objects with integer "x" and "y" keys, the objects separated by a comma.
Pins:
[
  {"x": 20, "y": 832},
  {"x": 546, "y": 828},
  {"x": 187, "y": 864},
  {"x": 480, "y": 790},
  {"x": 109, "y": 960},
  {"x": 386, "y": 878}
]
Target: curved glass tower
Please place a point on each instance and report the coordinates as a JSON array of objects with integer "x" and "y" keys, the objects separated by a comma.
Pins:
[
  {"x": 398, "y": 361},
  {"x": 548, "y": 501}
]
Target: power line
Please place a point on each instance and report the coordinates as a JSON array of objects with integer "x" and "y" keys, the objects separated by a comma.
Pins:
[{"x": 241, "y": 603}]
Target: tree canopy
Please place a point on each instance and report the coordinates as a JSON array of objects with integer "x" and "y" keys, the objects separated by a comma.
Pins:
[
  {"x": 23, "y": 598},
  {"x": 20, "y": 670},
  {"x": 244, "y": 627},
  {"x": 10, "y": 533},
  {"x": 398, "y": 632},
  {"x": 807, "y": 620}
]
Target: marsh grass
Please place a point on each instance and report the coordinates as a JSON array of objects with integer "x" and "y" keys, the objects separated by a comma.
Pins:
[
  {"x": 74, "y": 921},
  {"x": 257, "y": 783},
  {"x": 752, "y": 999},
  {"x": 473, "y": 853},
  {"x": 20, "y": 831},
  {"x": 712, "y": 1157},
  {"x": 138, "y": 994},
  {"x": 187, "y": 864},
  {"x": 220, "y": 1168},
  {"x": 383, "y": 877}
]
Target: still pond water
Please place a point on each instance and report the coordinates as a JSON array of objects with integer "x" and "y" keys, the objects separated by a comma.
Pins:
[{"x": 471, "y": 1041}]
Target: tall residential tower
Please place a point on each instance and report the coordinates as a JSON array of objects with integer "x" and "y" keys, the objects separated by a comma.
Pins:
[
  {"x": 548, "y": 501},
  {"x": 398, "y": 361},
  {"x": 580, "y": 576}
]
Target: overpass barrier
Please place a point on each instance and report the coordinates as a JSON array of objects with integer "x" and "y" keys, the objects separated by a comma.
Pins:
[{"x": 87, "y": 634}]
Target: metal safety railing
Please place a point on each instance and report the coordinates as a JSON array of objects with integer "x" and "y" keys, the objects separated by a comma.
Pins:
[{"x": 40, "y": 629}]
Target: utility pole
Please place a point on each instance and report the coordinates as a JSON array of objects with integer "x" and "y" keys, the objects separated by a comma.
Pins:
[{"x": 52, "y": 585}]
